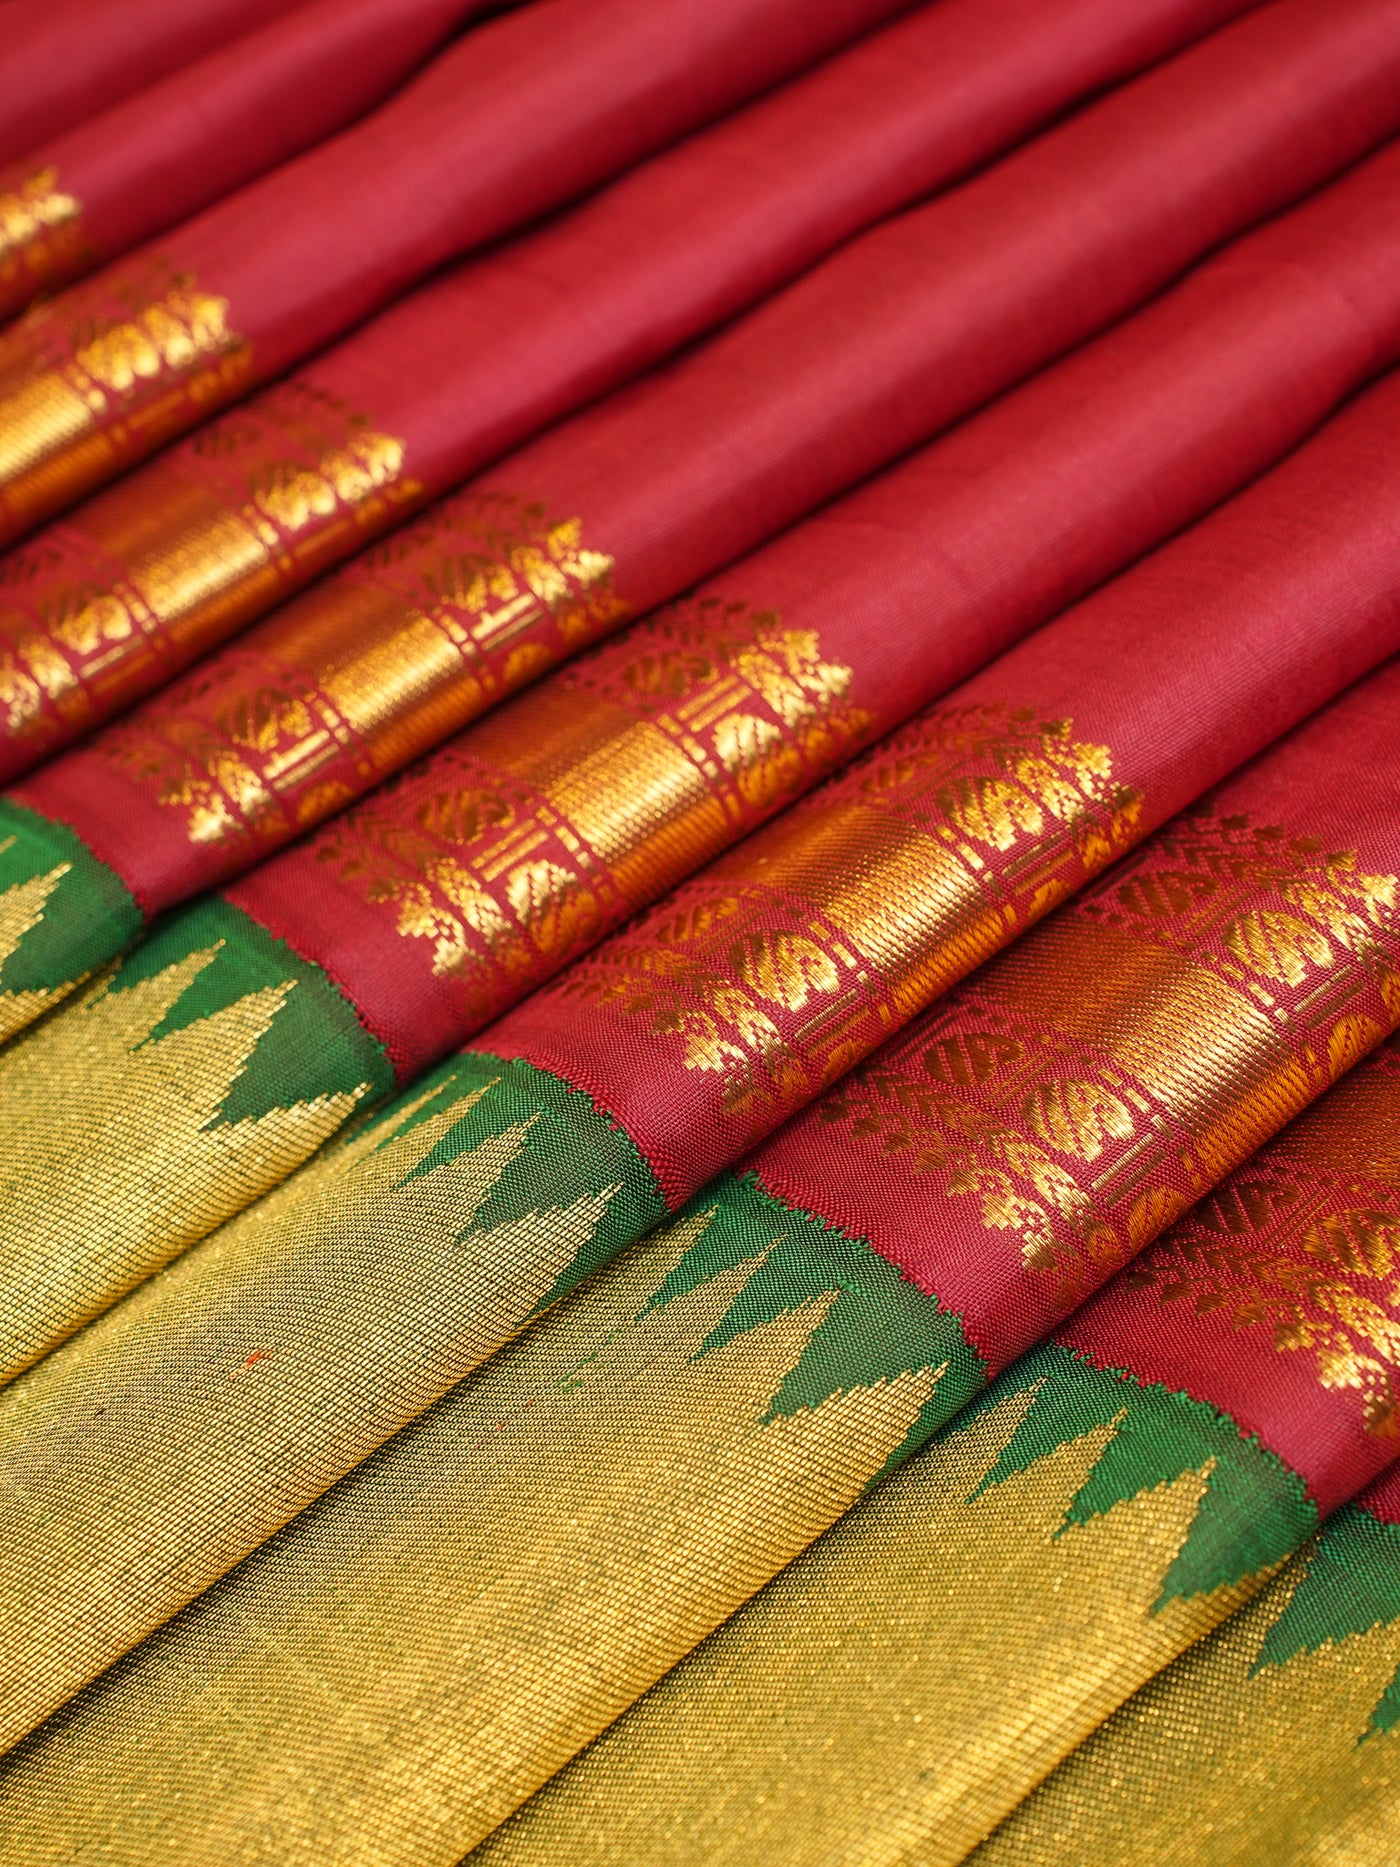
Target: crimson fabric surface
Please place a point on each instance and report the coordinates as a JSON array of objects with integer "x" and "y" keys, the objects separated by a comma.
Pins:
[
  {"x": 945, "y": 347},
  {"x": 61, "y": 60},
  {"x": 524, "y": 113},
  {"x": 606, "y": 1028},
  {"x": 942, "y": 562},
  {"x": 690, "y": 237},
  {"x": 174, "y": 146}
]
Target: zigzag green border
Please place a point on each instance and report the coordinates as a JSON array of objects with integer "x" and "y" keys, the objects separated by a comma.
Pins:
[
  {"x": 91, "y": 917},
  {"x": 1255, "y": 1513}
]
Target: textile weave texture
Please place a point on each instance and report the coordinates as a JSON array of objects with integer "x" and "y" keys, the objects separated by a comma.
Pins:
[{"x": 699, "y": 933}]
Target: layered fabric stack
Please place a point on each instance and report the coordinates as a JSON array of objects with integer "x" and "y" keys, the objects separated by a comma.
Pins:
[{"x": 699, "y": 933}]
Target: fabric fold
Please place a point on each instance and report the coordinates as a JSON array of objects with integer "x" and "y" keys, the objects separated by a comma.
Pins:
[
  {"x": 564, "y": 94},
  {"x": 101, "y": 185},
  {"x": 676, "y": 475},
  {"x": 361, "y": 957},
  {"x": 1113, "y": 1497},
  {"x": 1277, "y": 1731},
  {"x": 492, "y": 1588},
  {"x": 109, "y": 604},
  {"x": 71, "y": 58},
  {"x": 968, "y": 1185}
]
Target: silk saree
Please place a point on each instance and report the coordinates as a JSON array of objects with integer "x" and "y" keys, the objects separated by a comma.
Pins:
[{"x": 701, "y": 946}]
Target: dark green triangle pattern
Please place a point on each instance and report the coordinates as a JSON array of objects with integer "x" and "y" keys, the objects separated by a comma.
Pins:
[
  {"x": 90, "y": 918},
  {"x": 1352, "y": 1584},
  {"x": 315, "y": 1045},
  {"x": 880, "y": 1326},
  {"x": 570, "y": 1152},
  {"x": 1255, "y": 1511}
]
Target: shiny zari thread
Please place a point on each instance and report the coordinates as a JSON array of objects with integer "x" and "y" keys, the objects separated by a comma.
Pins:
[
  {"x": 971, "y": 825},
  {"x": 1104, "y": 1074}
]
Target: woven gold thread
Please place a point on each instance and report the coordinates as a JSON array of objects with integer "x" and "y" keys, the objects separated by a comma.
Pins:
[
  {"x": 873, "y": 903},
  {"x": 569, "y": 1582},
  {"x": 844, "y": 1715},
  {"x": 197, "y": 562},
  {"x": 41, "y": 238},
  {"x": 277, "y": 1318},
  {"x": 569, "y": 808},
  {"x": 1149, "y": 1040},
  {"x": 371, "y": 668},
  {"x": 135, "y": 1191},
  {"x": 1215, "y": 1760},
  {"x": 22, "y": 908},
  {"x": 83, "y": 393},
  {"x": 1305, "y": 1245}
]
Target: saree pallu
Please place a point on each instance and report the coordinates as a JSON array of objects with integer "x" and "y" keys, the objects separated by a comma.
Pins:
[
  {"x": 237, "y": 1385},
  {"x": 523, "y": 113},
  {"x": 109, "y": 604},
  {"x": 102, "y": 185},
  {"x": 1113, "y": 1496},
  {"x": 441, "y": 1631},
  {"x": 1275, "y": 1737},
  {"x": 69, "y": 59},
  {"x": 361, "y": 957}
]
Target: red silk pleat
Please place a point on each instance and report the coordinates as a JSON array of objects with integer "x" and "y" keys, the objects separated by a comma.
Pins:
[
  {"x": 171, "y": 148},
  {"x": 67, "y": 59},
  {"x": 521, "y": 115}
]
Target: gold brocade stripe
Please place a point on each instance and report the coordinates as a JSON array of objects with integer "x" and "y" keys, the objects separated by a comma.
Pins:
[
  {"x": 194, "y": 558},
  {"x": 555, "y": 819},
  {"x": 1110, "y": 1068},
  {"x": 41, "y": 238},
  {"x": 87, "y": 387},
  {"x": 815, "y": 940},
  {"x": 1200, "y": 1047},
  {"x": 366, "y": 672},
  {"x": 789, "y": 960},
  {"x": 1304, "y": 1244}
]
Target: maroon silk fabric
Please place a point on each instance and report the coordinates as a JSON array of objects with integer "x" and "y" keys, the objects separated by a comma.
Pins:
[
  {"x": 61, "y": 60},
  {"x": 519, "y": 116},
  {"x": 477, "y": 360},
  {"x": 170, "y": 149}
]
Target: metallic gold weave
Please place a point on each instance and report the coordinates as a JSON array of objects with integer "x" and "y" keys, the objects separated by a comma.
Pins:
[
  {"x": 494, "y": 1596},
  {"x": 1229, "y": 1760},
  {"x": 101, "y": 378},
  {"x": 266, "y": 1364},
  {"x": 370, "y": 669},
  {"x": 558, "y": 817},
  {"x": 21, "y": 909},
  {"x": 41, "y": 237},
  {"x": 138, "y": 1165},
  {"x": 1112, "y": 1067},
  {"x": 879, "y": 1701},
  {"x": 162, "y": 567},
  {"x": 1303, "y": 1248},
  {"x": 796, "y": 954}
]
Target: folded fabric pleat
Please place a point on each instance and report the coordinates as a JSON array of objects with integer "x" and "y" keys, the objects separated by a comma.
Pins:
[
  {"x": 100, "y": 186},
  {"x": 108, "y": 604},
  {"x": 635, "y": 499},
  {"x": 968, "y": 1186},
  {"x": 1113, "y": 1496},
  {"x": 518, "y": 116},
  {"x": 366, "y": 954},
  {"x": 68, "y": 59},
  {"x": 438, "y": 1634},
  {"x": 1276, "y": 1735}
]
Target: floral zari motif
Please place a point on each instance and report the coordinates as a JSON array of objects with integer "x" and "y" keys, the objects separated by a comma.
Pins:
[{"x": 1109, "y": 1070}]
